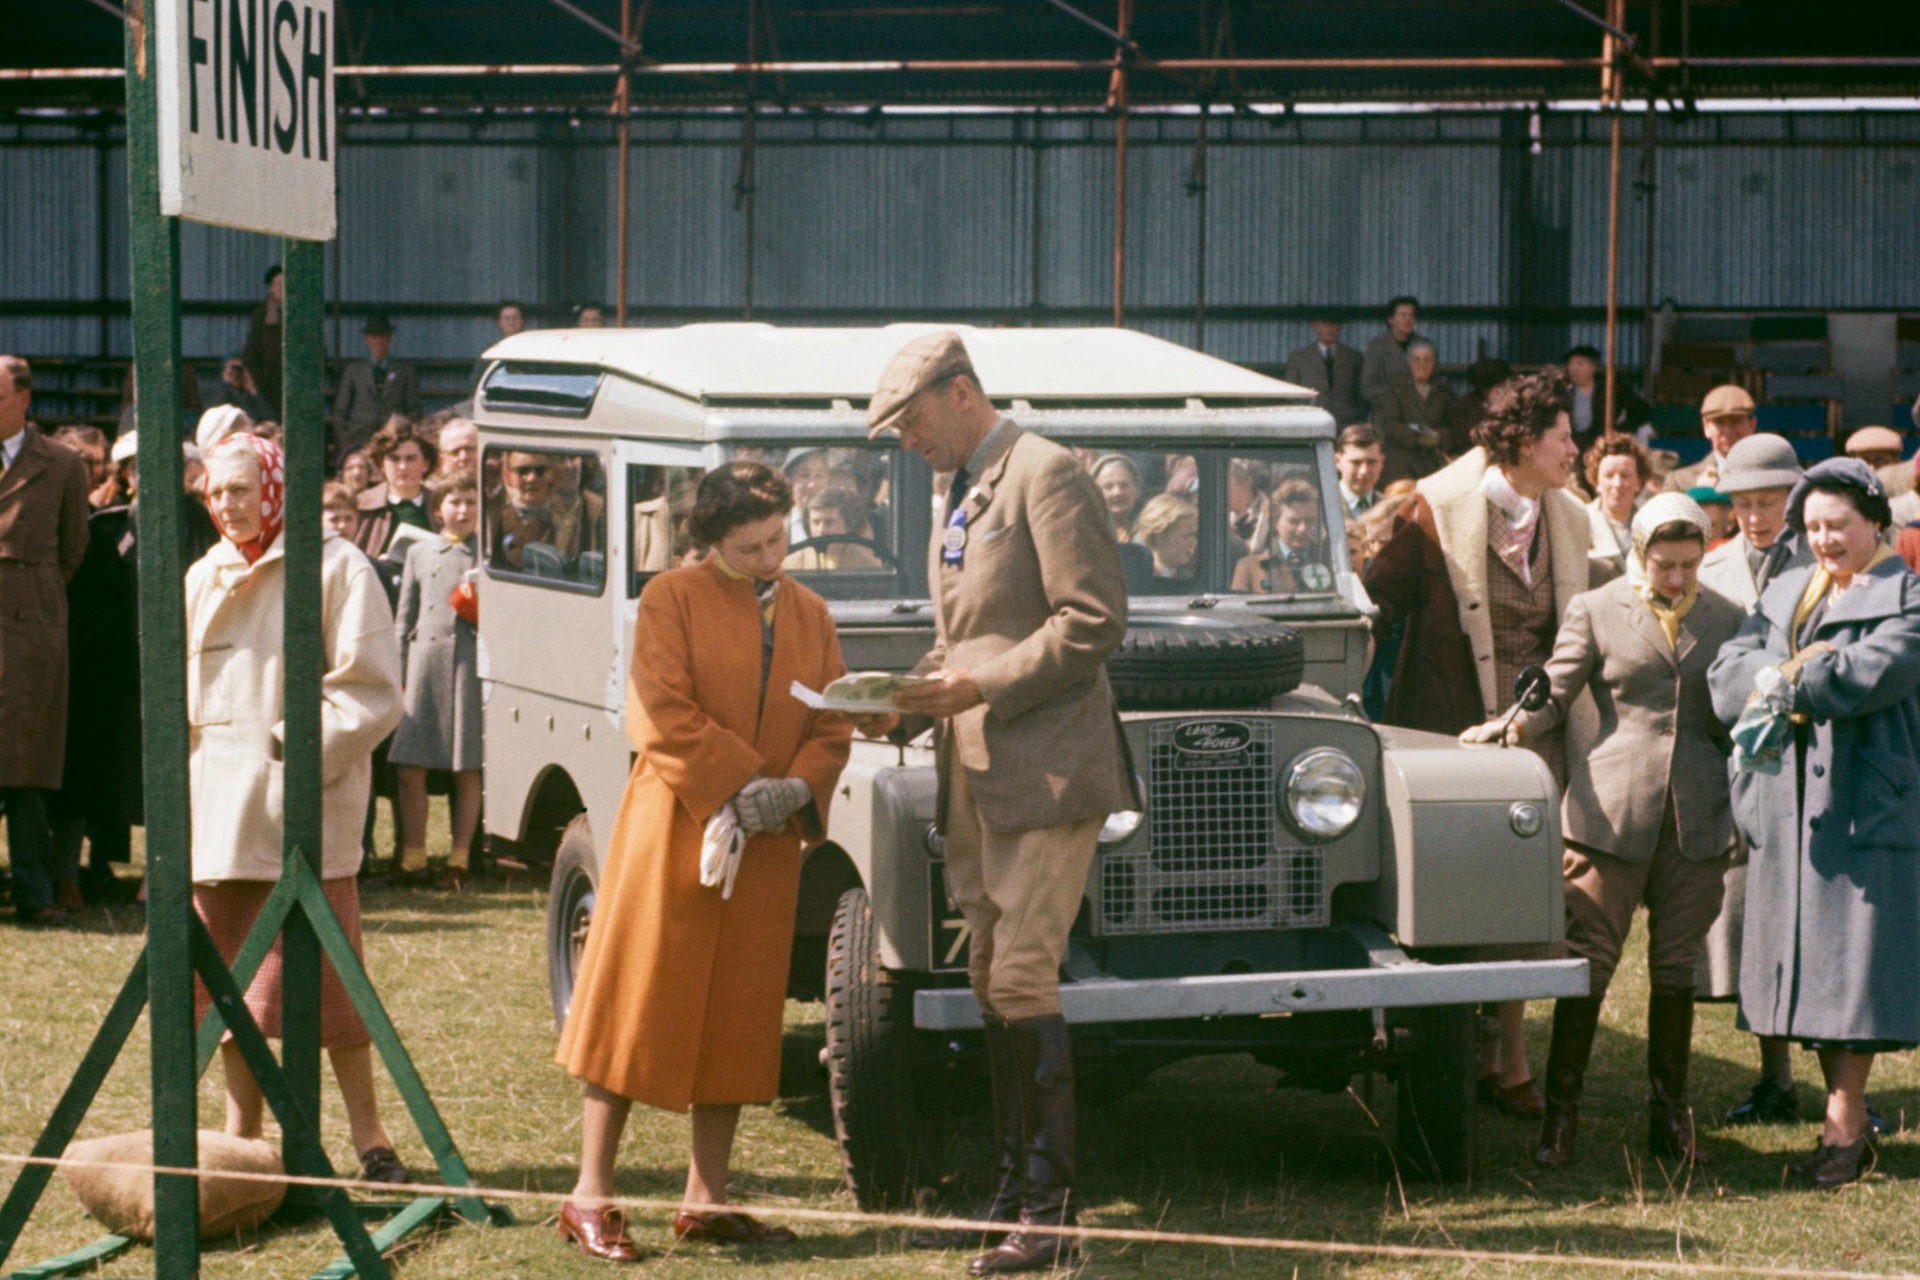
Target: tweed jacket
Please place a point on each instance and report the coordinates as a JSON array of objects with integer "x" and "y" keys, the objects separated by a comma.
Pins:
[
  {"x": 1398, "y": 411},
  {"x": 1704, "y": 472},
  {"x": 359, "y": 409},
  {"x": 1384, "y": 364},
  {"x": 43, "y": 539},
  {"x": 1306, "y": 367},
  {"x": 1657, "y": 731},
  {"x": 1433, "y": 573},
  {"x": 1033, "y": 610}
]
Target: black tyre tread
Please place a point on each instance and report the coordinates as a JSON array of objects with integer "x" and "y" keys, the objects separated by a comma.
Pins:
[
  {"x": 870, "y": 1076},
  {"x": 1435, "y": 1114},
  {"x": 574, "y": 857},
  {"x": 1211, "y": 667}
]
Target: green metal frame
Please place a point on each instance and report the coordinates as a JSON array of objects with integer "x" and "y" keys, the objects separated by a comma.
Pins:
[{"x": 297, "y": 911}]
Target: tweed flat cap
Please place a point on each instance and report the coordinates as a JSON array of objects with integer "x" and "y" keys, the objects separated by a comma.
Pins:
[
  {"x": 1727, "y": 402},
  {"x": 1761, "y": 461},
  {"x": 925, "y": 362},
  {"x": 1875, "y": 440}
]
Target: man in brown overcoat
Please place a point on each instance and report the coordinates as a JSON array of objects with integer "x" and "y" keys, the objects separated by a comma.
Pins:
[
  {"x": 43, "y": 538},
  {"x": 1029, "y": 600}
]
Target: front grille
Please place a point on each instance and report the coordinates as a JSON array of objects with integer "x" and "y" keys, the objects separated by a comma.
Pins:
[{"x": 1214, "y": 859}]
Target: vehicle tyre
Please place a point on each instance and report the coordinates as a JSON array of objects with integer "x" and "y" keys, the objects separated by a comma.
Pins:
[
  {"x": 576, "y": 878},
  {"x": 886, "y": 1121},
  {"x": 1191, "y": 662},
  {"x": 1434, "y": 1103}
]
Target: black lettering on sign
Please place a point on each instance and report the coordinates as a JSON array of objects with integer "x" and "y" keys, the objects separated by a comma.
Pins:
[
  {"x": 243, "y": 68},
  {"x": 313, "y": 71},
  {"x": 197, "y": 57},
  {"x": 285, "y": 20}
]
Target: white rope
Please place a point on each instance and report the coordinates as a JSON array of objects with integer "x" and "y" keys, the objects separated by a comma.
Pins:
[{"x": 1277, "y": 1244}]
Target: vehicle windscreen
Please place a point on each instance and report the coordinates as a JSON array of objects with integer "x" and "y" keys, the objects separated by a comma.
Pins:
[{"x": 1206, "y": 521}]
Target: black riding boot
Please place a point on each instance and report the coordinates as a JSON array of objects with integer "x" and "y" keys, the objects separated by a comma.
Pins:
[
  {"x": 1003, "y": 1077},
  {"x": 1043, "y": 1055},
  {"x": 1669, "y": 1047},
  {"x": 1575, "y": 1019}
]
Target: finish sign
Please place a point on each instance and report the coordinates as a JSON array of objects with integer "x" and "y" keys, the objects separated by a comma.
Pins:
[{"x": 246, "y": 111}]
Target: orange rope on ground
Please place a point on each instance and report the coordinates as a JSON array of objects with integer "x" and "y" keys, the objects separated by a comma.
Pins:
[{"x": 1277, "y": 1244}]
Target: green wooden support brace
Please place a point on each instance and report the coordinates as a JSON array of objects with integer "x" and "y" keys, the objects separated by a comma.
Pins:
[
  {"x": 304, "y": 1155},
  {"x": 420, "y": 1213},
  {"x": 393, "y": 1052},
  {"x": 85, "y": 1258},
  {"x": 253, "y": 953},
  {"x": 73, "y": 1104}
]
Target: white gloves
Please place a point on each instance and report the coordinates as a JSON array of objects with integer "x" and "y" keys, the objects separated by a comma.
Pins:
[
  {"x": 765, "y": 804},
  {"x": 720, "y": 850}
]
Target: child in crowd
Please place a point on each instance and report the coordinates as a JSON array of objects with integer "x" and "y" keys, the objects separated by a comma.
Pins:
[
  {"x": 440, "y": 728},
  {"x": 341, "y": 510}
]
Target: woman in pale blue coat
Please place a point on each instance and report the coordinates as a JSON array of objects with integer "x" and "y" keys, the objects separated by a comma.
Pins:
[{"x": 1831, "y": 956}]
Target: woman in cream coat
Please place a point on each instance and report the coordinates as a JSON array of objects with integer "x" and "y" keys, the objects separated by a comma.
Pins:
[{"x": 235, "y": 710}]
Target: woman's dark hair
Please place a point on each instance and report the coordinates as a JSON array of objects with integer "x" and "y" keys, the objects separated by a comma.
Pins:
[
  {"x": 1873, "y": 506},
  {"x": 736, "y": 494},
  {"x": 1678, "y": 531},
  {"x": 397, "y": 432},
  {"x": 1617, "y": 446},
  {"x": 1521, "y": 410}
]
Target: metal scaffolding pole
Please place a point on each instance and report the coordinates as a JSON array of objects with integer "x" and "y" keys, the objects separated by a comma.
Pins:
[
  {"x": 623, "y": 104},
  {"x": 1610, "y": 77},
  {"x": 1117, "y": 103}
]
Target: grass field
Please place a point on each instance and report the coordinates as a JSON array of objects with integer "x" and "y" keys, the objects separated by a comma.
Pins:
[{"x": 1205, "y": 1146}]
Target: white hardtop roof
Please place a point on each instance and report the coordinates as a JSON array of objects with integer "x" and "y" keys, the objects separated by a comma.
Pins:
[{"x": 736, "y": 362}]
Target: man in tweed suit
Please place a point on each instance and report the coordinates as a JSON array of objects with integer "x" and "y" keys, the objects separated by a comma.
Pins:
[{"x": 1029, "y": 600}]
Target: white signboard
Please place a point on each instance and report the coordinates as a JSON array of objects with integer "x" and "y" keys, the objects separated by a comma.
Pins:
[{"x": 246, "y": 103}]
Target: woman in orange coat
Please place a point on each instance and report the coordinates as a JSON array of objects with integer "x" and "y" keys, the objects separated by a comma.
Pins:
[{"x": 682, "y": 987}]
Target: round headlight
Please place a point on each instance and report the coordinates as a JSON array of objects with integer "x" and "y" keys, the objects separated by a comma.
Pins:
[
  {"x": 1119, "y": 828},
  {"x": 1324, "y": 790}
]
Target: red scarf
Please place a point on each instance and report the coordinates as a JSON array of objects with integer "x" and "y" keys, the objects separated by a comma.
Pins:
[{"x": 273, "y": 490}]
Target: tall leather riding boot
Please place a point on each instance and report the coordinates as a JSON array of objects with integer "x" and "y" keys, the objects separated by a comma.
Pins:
[
  {"x": 1669, "y": 1047},
  {"x": 1009, "y": 1141},
  {"x": 1043, "y": 1057},
  {"x": 1575, "y": 1020}
]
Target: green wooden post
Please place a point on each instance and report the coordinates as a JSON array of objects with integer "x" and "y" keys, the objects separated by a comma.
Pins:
[
  {"x": 155, "y": 244},
  {"x": 305, "y": 443}
]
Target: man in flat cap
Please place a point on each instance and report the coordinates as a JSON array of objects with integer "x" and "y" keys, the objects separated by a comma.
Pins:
[
  {"x": 1029, "y": 600},
  {"x": 1727, "y": 417}
]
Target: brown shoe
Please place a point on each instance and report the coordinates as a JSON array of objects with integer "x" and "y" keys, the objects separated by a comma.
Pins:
[
  {"x": 1523, "y": 1101},
  {"x": 600, "y": 1233},
  {"x": 727, "y": 1228},
  {"x": 67, "y": 897},
  {"x": 46, "y": 917},
  {"x": 452, "y": 880}
]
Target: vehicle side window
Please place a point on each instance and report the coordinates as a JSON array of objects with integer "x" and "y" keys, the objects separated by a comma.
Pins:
[
  {"x": 1277, "y": 530},
  {"x": 546, "y": 517},
  {"x": 662, "y": 500}
]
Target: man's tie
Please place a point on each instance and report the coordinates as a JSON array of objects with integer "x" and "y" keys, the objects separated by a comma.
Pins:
[
  {"x": 1327, "y": 355},
  {"x": 957, "y": 491}
]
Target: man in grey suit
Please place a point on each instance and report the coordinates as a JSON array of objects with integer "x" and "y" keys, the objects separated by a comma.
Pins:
[
  {"x": 1386, "y": 360},
  {"x": 1758, "y": 473},
  {"x": 1646, "y": 816},
  {"x": 1331, "y": 368},
  {"x": 373, "y": 390},
  {"x": 1029, "y": 600}
]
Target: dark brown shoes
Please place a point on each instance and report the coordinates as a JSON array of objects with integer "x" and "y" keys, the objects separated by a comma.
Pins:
[
  {"x": 1523, "y": 1101},
  {"x": 727, "y": 1228},
  {"x": 1832, "y": 1167},
  {"x": 382, "y": 1164},
  {"x": 600, "y": 1233}
]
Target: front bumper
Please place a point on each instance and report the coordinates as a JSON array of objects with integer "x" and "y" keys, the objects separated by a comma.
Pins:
[{"x": 1391, "y": 980}]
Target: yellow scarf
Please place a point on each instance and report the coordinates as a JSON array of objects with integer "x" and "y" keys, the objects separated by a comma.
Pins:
[
  {"x": 1817, "y": 587},
  {"x": 1669, "y": 615},
  {"x": 761, "y": 589}
]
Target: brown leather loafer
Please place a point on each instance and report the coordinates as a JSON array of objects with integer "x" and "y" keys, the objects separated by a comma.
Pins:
[
  {"x": 727, "y": 1228},
  {"x": 600, "y": 1233}
]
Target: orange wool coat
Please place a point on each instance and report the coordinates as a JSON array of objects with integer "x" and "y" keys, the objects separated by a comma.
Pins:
[{"x": 680, "y": 993}]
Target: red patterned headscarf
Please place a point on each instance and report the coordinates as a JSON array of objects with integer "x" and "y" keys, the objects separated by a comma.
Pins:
[{"x": 273, "y": 487}]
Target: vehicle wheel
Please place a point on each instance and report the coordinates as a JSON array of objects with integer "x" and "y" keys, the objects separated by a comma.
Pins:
[
  {"x": 1192, "y": 662},
  {"x": 576, "y": 877},
  {"x": 1435, "y": 1112},
  {"x": 886, "y": 1120}
]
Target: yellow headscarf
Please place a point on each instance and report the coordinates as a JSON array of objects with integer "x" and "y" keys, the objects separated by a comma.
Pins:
[{"x": 1817, "y": 587}]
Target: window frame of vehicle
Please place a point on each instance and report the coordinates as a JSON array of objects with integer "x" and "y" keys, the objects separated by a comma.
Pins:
[{"x": 494, "y": 497}]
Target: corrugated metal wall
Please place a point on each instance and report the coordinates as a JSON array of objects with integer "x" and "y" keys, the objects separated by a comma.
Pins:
[{"x": 996, "y": 217}]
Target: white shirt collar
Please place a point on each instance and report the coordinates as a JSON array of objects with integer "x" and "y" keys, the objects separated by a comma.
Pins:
[{"x": 11, "y": 446}]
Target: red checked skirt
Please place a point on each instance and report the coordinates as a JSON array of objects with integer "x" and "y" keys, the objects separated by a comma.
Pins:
[{"x": 229, "y": 909}]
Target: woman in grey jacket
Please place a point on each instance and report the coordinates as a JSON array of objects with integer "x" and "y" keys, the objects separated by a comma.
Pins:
[{"x": 1833, "y": 886}]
